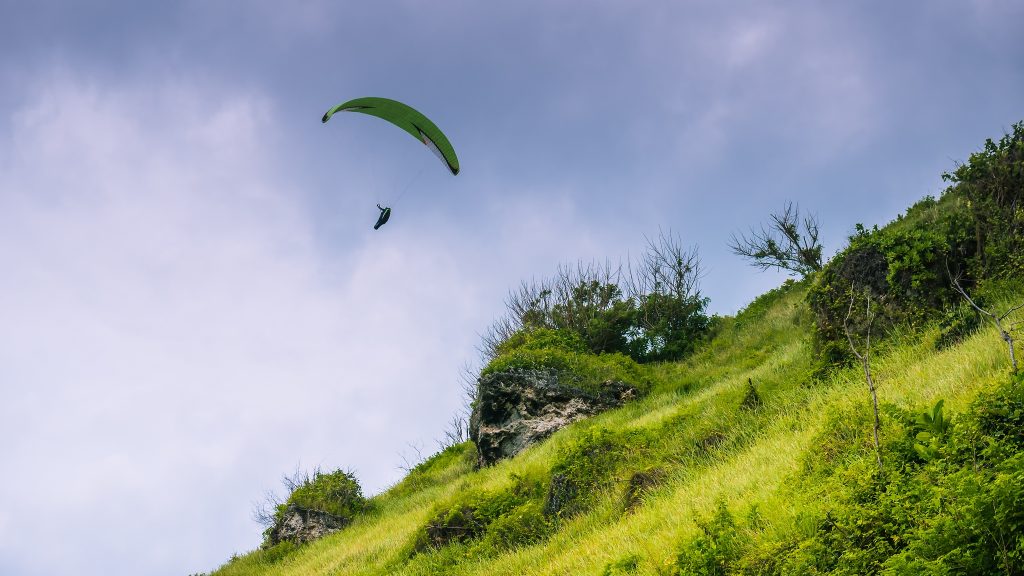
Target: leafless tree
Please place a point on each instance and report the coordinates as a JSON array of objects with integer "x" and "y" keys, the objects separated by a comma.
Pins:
[
  {"x": 1005, "y": 332},
  {"x": 410, "y": 461},
  {"x": 579, "y": 294},
  {"x": 468, "y": 382},
  {"x": 265, "y": 512},
  {"x": 789, "y": 242},
  {"x": 667, "y": 268},
  {"x": 456, "y": 433},
  {"x": 862, "y": 331},
  {"x": 568, "y": 300}
]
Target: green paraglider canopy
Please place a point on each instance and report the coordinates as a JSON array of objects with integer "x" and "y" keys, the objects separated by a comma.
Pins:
[{"x": 406, "y": 118}]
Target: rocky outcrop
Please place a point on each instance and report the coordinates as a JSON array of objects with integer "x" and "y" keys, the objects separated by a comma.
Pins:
[
  {"x": 301, "y": 525},
  {"x": 516, "y": 408}
]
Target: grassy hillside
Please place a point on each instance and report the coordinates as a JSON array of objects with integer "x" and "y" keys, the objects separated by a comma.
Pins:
[
  {"x": 775, "y": 473},
  {"x": 755, "y": 454}
]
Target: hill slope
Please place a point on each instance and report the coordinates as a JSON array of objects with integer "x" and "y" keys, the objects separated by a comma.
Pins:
[
  {"x": 756, "y": 454},
  {"x": 772, "y": 475}
]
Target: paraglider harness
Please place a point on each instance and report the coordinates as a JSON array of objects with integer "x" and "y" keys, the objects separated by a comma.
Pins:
[{"x": 385, "y": 213}]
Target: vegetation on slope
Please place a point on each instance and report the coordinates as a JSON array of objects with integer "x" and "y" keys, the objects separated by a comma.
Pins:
[{"x": 752, "y": 455}]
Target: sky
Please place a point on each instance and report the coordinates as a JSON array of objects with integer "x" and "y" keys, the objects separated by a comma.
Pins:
[{"x": 193, "y": 301}]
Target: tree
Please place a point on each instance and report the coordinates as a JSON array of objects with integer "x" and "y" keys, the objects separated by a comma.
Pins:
[
  {"x": 788, "y": 242},
  {"x": 861, "y": 330}
]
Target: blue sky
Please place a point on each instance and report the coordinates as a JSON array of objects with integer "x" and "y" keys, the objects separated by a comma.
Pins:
[{"x": 193, "y": 300}]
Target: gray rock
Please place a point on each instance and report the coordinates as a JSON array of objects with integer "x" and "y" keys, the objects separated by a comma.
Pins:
[
  {"x": 301, "y": 525},
  {"x": 516, "y": 408}
]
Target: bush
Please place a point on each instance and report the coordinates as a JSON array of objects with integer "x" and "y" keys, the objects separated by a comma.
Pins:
[
  {"x": 590, "y": 465},
  {"x": 992, "y": 184},
  {"x": 495, "y": 521},
  {"x": 717, "y": 549},
  {"x": 563, "y": 352},
  {"x": 625, "y": 565},
  {"x": 654, "y": 312},
  {"x": 954, "y": 504},
  {"x": 904, "y": 266},
  {"x": 336, "y": 493},
  {"x": 583, "y": 467},
  {"x": 957, "y": 323},
  {"x": 521, "y": 526}
]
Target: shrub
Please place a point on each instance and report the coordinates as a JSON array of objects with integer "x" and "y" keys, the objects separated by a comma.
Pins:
[
  {"x": 520, "y": 526},
  {"x": 904, "y": 265},
  {"x": 625, "y": 565},
  {"x": 956, "y": 324},
  {"x": 992, "y": 183},
  {"x": 586, "y": 467},
  {"x": 654, "y": 312},
  {"x": 563, "y": 352},
  {"x": 953, "y": 506},
  {"x": 336, "y": 493},
  {"x": 717, "y": 549},
  {"x": 496, "y": 520}
]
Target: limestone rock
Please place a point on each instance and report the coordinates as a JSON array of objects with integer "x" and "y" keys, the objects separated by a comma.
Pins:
[
  {"x": 301, "y": 525},
  {"x": 516, "y": 408}
]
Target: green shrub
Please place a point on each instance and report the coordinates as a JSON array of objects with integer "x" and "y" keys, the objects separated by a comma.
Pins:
[
  {"x": 904, "y": 266},
  {"x": 655, "y": 312},
  {"x": 716, "y": 551},
  {"x": 953, "y": 506},
  {"x": 957, "y": 323},
  {"x": 564, "y": 353},
  {"x": 496, "y": 520},
  {"x": 336, "y": 493},
  {"x": 521, "y": 526},
  {"x": 665, "y": 327},
  {"x": 586, "y": 467},
  {"x": 992, "y": 185},
  {"x": 626, "y": 565}
]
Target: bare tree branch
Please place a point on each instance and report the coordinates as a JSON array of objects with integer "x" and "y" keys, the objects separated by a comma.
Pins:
[
  {"x": 409, "y": 462},
  {"x": 1004, "y": 332},
  {"x": 865, "y": 357},
  {"x": 789, "y": 243},
  {"x": 667, "y": 268}
]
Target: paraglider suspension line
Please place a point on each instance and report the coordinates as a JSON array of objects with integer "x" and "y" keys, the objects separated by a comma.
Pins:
[{"x": 408, "y": 184}]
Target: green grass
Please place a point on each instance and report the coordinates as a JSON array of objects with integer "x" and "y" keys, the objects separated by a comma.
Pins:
[{"x": 778, "y": 470}]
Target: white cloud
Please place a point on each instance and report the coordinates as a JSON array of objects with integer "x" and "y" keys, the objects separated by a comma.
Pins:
[{"x": 173, "y": 339}]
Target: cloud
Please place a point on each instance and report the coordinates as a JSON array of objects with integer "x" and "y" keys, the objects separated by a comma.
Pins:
[{"x": 174, "y": 338}]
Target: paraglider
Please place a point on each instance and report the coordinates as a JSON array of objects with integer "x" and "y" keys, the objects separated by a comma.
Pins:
[
  {"x": 385, "y": 213},
  {"x": 408, "y": 119}
]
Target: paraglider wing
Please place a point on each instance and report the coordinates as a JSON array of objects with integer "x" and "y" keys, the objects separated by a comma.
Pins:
[{"x": 406, "y": 118}]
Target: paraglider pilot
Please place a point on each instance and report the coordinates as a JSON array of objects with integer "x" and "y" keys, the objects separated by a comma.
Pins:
[{"x": 385, "y": 213}]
